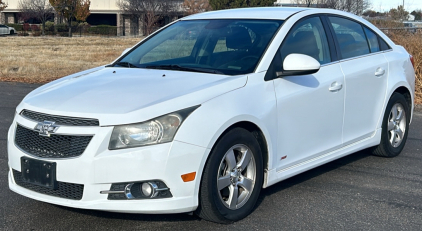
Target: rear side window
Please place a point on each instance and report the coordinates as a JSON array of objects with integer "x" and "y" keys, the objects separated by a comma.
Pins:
[
  {"x": 307, "y": 37},
  {"x": 372, "y": 40},
  {"x": 383, "y": 45},
  {"x": 350, "y": 37}
]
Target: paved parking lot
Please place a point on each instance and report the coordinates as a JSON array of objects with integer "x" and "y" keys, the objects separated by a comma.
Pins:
[{"x": 358, "y": 192}]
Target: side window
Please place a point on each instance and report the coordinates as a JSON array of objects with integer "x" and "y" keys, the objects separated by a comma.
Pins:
[
  {"x": 350, "y": 37},
  {"x": 383, "y": 45},
  {"x": 307, "y": 37},
  {"x": 372, "y": 40}
]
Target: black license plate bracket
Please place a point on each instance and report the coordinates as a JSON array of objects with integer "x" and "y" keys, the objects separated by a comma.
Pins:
[{"x": 38, "y": 172}]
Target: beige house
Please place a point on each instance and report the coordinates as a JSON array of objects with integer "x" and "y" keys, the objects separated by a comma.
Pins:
[{"x": 103, "y": 12}]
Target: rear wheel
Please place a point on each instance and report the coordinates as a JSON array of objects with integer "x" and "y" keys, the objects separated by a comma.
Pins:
[
  {"x": 395, "y": 127},
  {"x": 232, "y": 178}
]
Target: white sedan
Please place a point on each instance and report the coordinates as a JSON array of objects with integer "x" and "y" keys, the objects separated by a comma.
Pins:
[
  {"x": 202, "y": 123},
  {"x": 7, "y": 30}
]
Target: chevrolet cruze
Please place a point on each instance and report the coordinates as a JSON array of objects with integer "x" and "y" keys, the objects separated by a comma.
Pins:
[{"x": 203, "y": 114}]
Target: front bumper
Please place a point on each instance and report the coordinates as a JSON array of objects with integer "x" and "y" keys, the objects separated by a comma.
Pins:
[{"x": 97, "y": 168}]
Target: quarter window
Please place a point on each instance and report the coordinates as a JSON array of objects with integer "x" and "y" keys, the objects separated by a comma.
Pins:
[
  {"x": 307, "y": 37},
  {"x": 372, "y": 40},
  {"x": 383, "y": 45},
  {"x": 350, "y": 37}
]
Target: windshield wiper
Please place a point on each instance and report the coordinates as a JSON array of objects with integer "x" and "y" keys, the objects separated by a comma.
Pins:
[
  {"x": 181, "y": 68},
  {"x": 125, "y": 64}
]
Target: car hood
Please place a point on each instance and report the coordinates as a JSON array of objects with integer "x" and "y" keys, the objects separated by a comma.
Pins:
[{"x": 127, "y": 95}]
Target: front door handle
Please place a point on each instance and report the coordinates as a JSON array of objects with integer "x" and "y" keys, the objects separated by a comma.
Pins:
[
  {"x": 379, "y": 72},
  {"x": 335, "y": 86}
]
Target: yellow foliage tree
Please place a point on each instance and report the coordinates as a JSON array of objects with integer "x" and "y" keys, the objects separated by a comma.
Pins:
[{"x": 69, "y": 9}]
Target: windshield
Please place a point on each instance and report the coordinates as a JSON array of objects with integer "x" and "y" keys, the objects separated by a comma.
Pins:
[{"x": 226, "y": 46}]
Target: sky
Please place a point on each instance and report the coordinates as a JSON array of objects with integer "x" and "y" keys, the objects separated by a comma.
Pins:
[{"x": 386, "y": 5}]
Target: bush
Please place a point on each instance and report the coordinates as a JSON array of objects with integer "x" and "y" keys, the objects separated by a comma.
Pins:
[
  {"x": 26, "y": 27},
  {"x": 103, "y": 30},
  {"x": 18, "y": 27},
  {"x": 62, "y": 27},
  {"x": 49, "y": 28},
  {"x": 35, "y": 28}
]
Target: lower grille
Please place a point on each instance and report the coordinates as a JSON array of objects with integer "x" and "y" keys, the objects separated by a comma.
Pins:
[
  {"x": 55, "y": 146},
  {"x": 64, "y": 190}
]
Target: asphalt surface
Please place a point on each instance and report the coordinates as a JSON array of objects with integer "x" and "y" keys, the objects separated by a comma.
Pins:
[{"x": 358, "y": 192}]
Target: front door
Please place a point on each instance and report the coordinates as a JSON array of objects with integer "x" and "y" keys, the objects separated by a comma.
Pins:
[{"x": 310, "y": 107}]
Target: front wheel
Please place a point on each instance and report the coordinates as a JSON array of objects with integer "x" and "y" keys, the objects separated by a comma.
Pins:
[
  {"x": 232, "y": 178},
  {"x": 12, "y": 32},
  {"x": 395, "y": 127}
]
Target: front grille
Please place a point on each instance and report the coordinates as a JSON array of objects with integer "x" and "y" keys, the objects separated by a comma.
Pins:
[
  {"x": 55, "y": 146},
  {"x": 64, "y": 190},
  {"x": 59, "y": 120}
]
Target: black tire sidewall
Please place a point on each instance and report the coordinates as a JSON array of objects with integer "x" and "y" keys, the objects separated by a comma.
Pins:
[
  {"x": 392, "y": 151},
  {"x": 231, "y": 138}
]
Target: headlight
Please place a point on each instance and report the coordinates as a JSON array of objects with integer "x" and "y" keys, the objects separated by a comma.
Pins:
[{"x": 159, "y": 130}]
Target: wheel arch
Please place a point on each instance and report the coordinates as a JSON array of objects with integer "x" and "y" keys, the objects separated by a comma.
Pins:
[
  {"x": 257, "y": 133},
  {"x": 406, "y": 92}
]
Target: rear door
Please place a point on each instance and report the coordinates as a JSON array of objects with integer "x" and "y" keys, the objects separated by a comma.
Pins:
[{"x": 366, "y": 71}]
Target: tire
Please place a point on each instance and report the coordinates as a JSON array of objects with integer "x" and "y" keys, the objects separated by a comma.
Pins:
[
  {"x": 12, "y": 32},
  {"x": 233, "y": 149},
  {"x": 399, "y": 127}
]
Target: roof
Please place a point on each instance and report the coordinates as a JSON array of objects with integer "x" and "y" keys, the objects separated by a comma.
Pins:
[{"x": 249, "y": 13}]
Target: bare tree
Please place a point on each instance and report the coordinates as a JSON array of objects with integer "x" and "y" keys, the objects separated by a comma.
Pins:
[
  {"x": 196, "y": 6},
  {"x": 150, "y": 11},
  {"x": 306, "y": 3},
  {"x": 39, "y": 9},
  {"x": 352, "y": 6}
]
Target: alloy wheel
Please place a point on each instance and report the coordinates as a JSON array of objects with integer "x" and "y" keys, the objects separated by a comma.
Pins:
[
  {"x": 396, "y": 125},
  {"x": 236, "y": 176}
]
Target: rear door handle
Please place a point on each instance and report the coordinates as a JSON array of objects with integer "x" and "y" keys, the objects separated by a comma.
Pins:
[
  {"x": 335, "y": 86},
  {"x": 379, "y": 72}
]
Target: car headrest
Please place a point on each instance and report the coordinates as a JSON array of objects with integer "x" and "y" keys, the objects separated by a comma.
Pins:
[
  {"x": 345, "y": 39},
  {"x": 306, "y": 43},
  {"x": 238, "y": 38}
]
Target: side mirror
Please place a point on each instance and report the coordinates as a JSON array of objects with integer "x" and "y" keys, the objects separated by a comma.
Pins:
[
  {"x": 299, "y": 64},
  {"x": 125, "y": 51}
]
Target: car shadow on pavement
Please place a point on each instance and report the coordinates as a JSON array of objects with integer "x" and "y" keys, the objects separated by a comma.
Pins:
[
  {"x": 298, "y": 179},
  {"x": 277, "y": 188},
  {"x": 132, "y": 216}
]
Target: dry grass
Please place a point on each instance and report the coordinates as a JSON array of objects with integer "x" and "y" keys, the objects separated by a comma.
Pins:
[
  {"x": 40, "y": 60},
  {"x": 413, "y": 44}
]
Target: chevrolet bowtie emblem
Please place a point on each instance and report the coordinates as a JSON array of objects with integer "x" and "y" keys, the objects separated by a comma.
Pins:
[{"x": 46, "y": 128}]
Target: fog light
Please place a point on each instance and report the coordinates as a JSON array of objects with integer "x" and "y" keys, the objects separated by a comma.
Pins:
[
  {"x": 149, "y": 189},
  {"x": 154, "y": 189}
]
